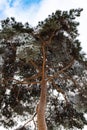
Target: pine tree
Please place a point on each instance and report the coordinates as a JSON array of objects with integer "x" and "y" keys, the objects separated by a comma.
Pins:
[{"x": 40, "y": 65}]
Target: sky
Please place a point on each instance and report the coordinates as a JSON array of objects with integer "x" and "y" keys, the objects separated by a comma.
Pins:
[{"x": 33, "y": 11}]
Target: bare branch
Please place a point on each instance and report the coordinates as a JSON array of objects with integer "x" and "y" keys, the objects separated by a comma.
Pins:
[
  {"x": 34, "y": 64},
  {"x": 74, "y": 81},
  {"x": 60, "y": 90},
  {"x": 61, "y": 71},
  {"x": 30, "y": 119}
]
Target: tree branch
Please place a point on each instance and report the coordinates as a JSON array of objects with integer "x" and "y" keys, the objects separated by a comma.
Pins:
[
  {"x": 60, "y": 90},
  {"x": 30, "y": 119},
  {"x": 61, "y": 71}
]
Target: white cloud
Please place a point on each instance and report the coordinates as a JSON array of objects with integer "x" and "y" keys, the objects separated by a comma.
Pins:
[
  {"x": 3, "y": 4},
  {"x": 38, "y": 12}
]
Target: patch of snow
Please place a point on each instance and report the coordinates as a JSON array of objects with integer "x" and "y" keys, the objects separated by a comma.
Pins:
[
  {"x": 55, "y": 93},
  {"x": 61, "y": 97},
  {"x": 7, "y": 91}
]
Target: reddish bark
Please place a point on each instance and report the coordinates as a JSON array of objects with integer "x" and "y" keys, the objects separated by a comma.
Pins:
[{"x": 42, "y": 104}]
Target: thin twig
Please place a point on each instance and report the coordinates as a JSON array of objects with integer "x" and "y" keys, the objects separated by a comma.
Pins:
[
  {"x": 34, "y": 64},
  {"x": 60, "y": 90},
  {"x": 30, "y": 119},
  {"x": 61, "y": 71}
]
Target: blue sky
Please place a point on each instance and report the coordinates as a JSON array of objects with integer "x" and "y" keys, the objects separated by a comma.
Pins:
[
  {"x": 23, "y": 2},
  {"x": 11, "y": 3},
  {"x": 37, "y": 10},
  {"x": 33, "y": 11}
]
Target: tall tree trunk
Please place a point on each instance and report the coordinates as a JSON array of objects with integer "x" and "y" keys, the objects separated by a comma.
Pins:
[{"x": 42, "y": 104}]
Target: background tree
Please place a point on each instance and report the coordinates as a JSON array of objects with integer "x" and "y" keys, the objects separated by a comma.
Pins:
[{"x": 44, "y": 62}]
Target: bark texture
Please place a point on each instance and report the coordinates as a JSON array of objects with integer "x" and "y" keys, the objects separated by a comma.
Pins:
[{"x": 42, "y": 104}]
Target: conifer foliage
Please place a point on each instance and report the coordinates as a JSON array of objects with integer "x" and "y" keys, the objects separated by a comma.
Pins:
[{"x": 43, "y": 71}]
